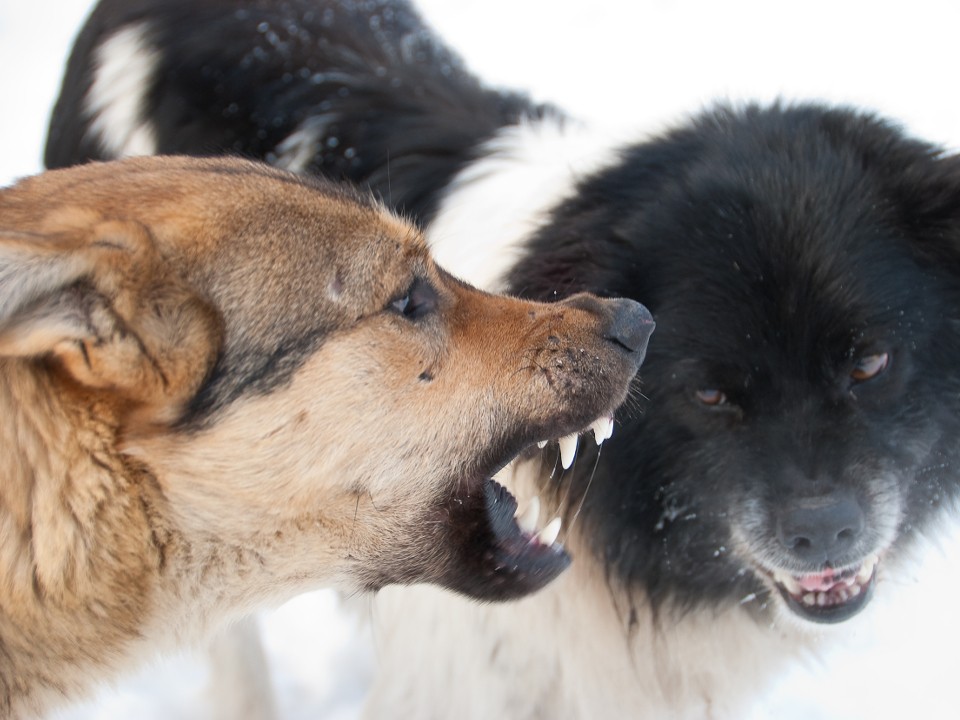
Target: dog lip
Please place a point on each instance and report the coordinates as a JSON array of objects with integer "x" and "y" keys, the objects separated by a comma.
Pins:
[
  {"x": 518, "y": 551},
  {"x": 830, "y": 613},
  {"x": 829, "y": 595},
  {"x": 495, "y": 558}
]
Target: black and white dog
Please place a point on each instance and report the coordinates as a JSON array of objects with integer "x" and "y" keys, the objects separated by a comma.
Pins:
[{"x": 798, "y": 424}]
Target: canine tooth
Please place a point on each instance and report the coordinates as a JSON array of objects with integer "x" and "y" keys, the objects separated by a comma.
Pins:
[
  {"x": 821, "y": 599},
  {"x": 853, "y": 591},
  {"x": 789, "y": 582},
  {"x": 866, "y": 571},
  {"x": 549, "y": 534},
  {"x": 602, "y": 429},
  {"x": 598, "y": 430},
  {"x": 809, "y": 599},
  {"x": 528, "y": 520},
  {"x": 568, "y": 450},
  {"x": 542, "y": 444}
]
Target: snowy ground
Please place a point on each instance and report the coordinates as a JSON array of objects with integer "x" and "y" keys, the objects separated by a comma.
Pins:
[{"x": 637, "y": 61}]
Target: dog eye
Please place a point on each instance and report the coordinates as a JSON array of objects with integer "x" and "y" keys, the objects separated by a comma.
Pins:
[
  {"x": 869, "y": 366},
  {"x": 712, "y": 397},
  {"x": 419, "y": 300}
]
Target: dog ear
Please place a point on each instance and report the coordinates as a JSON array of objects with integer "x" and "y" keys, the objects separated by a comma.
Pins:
[
  {"x": 115, "y": 315},
  {"x": 929, "y": 197},
  {"x": 922, "y": 182}
]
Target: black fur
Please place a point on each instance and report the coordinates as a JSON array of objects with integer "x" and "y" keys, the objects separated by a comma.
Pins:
[
  {"x": 240, "y": 76},
  {"x": 773, "y": 246},
  {"x": 778, "y": 247}
]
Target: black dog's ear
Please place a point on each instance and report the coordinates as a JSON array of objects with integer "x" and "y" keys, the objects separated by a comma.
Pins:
[
  {"x": 102, "y": 302},
  {"x": 928, "y": 195},
  {"x": 921, "y": 181}
]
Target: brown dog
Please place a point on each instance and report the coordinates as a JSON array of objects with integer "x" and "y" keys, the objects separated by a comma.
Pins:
[{"x": 223, "y": 384}]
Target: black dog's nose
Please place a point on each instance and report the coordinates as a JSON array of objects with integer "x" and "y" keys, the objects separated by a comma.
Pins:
[
  {"x": 631, "y": 325},
  {"x": 820, "y": 530}
]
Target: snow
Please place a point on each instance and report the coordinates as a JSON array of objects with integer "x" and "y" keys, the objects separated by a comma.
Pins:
[{"x": 640, "y": 62}]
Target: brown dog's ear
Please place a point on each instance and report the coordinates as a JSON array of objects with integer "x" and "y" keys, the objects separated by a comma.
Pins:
[{"x": 105, "y": 304}]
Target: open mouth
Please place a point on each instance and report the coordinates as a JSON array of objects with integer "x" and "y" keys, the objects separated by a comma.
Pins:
[
  {"x": 830, "y": 596},
  {"x": 517, "y": 549}
]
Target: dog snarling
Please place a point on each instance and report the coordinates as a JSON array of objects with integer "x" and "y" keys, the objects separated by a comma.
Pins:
[{"x": 225, "y": 384}]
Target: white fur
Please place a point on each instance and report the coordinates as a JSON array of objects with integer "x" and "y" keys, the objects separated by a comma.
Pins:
[
  {"x": 300, "y": 147},
  {"x": 568, "y": 652},
  {"x": 116, "y": 103},
  {"x": 496, "y": 203},
  {"x": 564, "y": 653},
  {"x": 240, "y": 678}
]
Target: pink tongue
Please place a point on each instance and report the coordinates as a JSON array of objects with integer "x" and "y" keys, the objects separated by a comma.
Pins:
[{"x": 814, "y": 583}]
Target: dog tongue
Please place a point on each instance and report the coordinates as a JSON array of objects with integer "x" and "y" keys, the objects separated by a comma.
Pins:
[{"x": 819, "y": 582}]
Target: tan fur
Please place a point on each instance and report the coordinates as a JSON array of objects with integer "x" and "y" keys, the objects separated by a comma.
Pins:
[{"x": 209, "y": 406}]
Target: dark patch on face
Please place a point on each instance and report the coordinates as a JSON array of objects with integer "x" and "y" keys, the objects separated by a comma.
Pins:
[{"x": 251, "y": 371}]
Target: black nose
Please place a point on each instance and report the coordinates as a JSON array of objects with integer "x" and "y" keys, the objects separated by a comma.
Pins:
[
  {"x": 631, "y": 325},
  {"x": 820, "y": 530},
  {"x": 626, "y": 322}
]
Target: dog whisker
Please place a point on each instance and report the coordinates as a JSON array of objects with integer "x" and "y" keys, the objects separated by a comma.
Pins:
[{"x": 586, "y": 489}]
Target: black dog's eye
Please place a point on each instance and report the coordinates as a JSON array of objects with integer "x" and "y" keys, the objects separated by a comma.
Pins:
[
  {"x": 712, "y": 397},
  {"x": 419, "y": 300},
  {"x": 869, "y": 366}
]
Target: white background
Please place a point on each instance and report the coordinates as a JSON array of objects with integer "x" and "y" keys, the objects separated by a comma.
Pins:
[{"x": 630, "y": 63}]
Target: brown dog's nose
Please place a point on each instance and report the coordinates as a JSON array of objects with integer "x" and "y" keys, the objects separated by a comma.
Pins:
[
  {"x": 630, "y": 326},
  {"x": 628, "y": 323}
]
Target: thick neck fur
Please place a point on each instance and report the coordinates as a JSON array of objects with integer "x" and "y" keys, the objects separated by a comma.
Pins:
[
  {"x": 95, "y": 567},
  {"x": 80, "y": 554}
]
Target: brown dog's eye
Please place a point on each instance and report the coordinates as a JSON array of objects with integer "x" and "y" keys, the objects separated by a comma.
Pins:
[
  {"x": 712, "y": 397},
  {"x": 869, "y": 366},
  {"x": 419, "y": 300}
]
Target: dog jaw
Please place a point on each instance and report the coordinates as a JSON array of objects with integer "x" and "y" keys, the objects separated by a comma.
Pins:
[{"x": 503, "y": 552}]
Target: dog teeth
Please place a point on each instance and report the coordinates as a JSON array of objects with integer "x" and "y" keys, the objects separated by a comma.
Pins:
[
  {"x": 842, "y": 588},
  {"x": 866, "y": 570},
  {"x": 528, "y": 520},
  {"x": 549, "y": 534},
  {"x": 568, "y": 450},
  {"x": 602, "y": 429},
  {"x": 788, "y": 581}
]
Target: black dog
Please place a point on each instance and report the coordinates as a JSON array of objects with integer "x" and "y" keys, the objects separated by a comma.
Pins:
[{"x": 799, "y": 421}]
